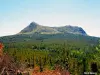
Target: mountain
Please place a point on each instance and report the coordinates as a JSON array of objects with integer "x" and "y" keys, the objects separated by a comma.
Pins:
[
  {"x": 36, "y": 28},
  {"x": 36, "y": 33}
]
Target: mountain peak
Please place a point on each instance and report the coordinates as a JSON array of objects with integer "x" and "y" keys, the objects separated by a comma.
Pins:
[
  {"x": 30, "y": 27},
  {"x": 33, "y": 27},
  {"x": 33, "y": 23}
]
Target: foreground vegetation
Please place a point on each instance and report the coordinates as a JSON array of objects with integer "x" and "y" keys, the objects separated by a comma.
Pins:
[
  {"x": 71, "y": 58},
  {"x": 76, "y": 54}
]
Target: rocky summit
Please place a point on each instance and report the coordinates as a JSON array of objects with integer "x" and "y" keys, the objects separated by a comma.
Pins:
[{"x": 37, "y": 28}]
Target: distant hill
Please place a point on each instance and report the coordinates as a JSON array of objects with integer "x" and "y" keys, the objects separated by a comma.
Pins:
[{"x": 36, "y": 28}]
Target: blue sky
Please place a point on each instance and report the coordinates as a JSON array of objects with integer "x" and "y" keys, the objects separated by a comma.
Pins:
[{"x": 17, "y": 14}]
